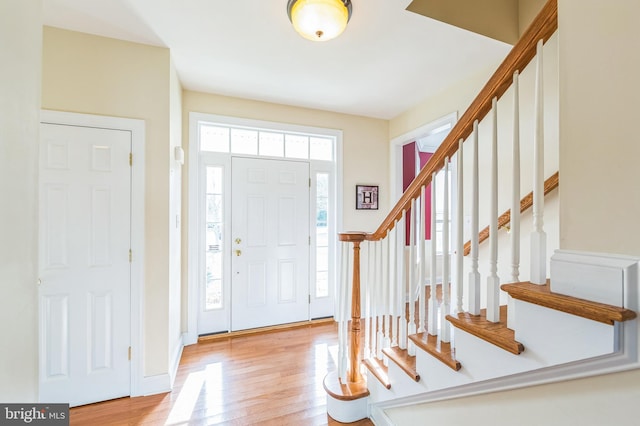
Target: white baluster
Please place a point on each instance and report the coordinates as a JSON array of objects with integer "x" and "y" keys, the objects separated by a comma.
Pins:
[
  {"x": 460, "y": 231},
  {"x": 343, "y": 361},
  {"x": 515, "y": 196},
  {"x": 402, "y": 333},
  {"x": 515, "y": 199},
  {"x": 538, "y": 236},
  {"x": 474, "y": 275},
  {"x": 445, "y": 329},
  {"x": 379, "y": 300},
  {"x": 386, "y": 299},
  {"x": 423, "y": 266},
  {"x": 393, "y": 298},
  {"x": 432, "y": 322},
  {"x": 412, "y": 277},
  {"x": 493, "y": 281},
  {"x": 366, "y": 254},
  {"x": 370, "y": 320}
]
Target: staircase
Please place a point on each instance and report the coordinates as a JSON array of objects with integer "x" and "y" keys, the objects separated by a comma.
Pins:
[{"x": 416, "y": 321}]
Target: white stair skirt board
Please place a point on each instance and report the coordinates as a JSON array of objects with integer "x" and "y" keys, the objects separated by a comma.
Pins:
[
  {"x": 610, "y": 279},
  {"x": 347, "y": 411}
]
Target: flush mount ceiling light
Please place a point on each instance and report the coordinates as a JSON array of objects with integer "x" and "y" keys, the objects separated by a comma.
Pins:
[{"x": 319, "y": 20}]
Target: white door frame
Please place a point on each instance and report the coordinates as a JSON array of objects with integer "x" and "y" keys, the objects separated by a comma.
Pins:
[
  {"x": 191, "y": 335},
  {"x": 137, "y": 129}
]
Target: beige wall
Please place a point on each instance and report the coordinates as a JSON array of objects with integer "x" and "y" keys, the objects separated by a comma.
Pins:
[
  {"x": 527, "y": 11},
  {"x": 96, "y": 75},
  {"x": 600, "y": 153},
  {"x": 20, "y": 50},
  {"x": 450, "y": 99},
  {"x": 599, "y": 208}
]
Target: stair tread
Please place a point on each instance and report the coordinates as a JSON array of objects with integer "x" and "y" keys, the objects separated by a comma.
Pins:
[
  {"x": 379, "y": 370},
  {"x": 405, "y": 361},
  {"x": 344, "y": 391},
  {"x": 436, "y": 348},
  {"x": 496, "y": 333},
  {"x": 543, "y": 296}
]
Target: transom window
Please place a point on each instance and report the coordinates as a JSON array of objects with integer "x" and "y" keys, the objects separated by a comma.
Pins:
[{"x": 265, "y": 143}]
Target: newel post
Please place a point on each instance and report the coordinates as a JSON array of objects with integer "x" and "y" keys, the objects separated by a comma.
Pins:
[
  {"x": 349, "y": 402},
  {"x": 353, "y": 374}
]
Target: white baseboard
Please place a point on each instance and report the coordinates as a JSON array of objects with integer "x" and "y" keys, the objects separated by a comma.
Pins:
[
  {"x": 175, "y": 360},
  {"x": 189, "y": 338},
  {"x": 152, "y": 385}
]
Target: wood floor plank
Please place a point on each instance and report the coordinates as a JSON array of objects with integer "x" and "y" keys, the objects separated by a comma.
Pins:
[{"x": 274, "y": 378}]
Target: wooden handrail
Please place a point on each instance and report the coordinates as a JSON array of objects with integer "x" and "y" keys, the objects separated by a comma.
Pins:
[
  {"x": 542, "y": 28},
  {"x": 526, "y": 203}
]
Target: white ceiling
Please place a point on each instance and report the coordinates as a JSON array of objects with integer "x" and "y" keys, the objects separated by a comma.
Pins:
[{"x": 386, "y": 61}]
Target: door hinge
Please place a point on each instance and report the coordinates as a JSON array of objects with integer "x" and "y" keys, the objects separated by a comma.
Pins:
[
  {"x": 309, "y": 182},
  {"x": 131, "y": 159},
  {"x": 129, "y": 353},
  {"x": 309, "y": 239},
  {"x": 309, "y": 299},
  {"x": 130, "y": 256}
]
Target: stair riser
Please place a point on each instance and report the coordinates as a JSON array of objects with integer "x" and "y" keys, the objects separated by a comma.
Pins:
[
  {"x": 555, "y": 337},
  {"x": 437, "y": 375}
]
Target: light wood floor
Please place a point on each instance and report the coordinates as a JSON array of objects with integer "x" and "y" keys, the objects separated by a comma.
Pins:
[{"x": 267, "y": 379}]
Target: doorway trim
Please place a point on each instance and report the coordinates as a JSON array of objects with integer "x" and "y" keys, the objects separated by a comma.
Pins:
[
  {"x": 193, "y": 163},
  {"x": 137, "y": 130},
  {"x": 395, "y": 148}
]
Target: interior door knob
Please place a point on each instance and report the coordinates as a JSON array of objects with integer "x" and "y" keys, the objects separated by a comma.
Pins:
[{"x": 238, "y": 252}]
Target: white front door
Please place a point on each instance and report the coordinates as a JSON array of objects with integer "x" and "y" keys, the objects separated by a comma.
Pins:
[
  {"x": 269, "y": 242},
  {"x": 84, "y": 243}
]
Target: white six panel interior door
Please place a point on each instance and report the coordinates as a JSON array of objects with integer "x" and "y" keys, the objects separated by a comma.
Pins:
[
  {"x": 270, "y": 242},
  {"x": 84, "y": 243}
]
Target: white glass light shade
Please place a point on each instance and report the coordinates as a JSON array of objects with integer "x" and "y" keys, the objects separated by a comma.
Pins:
[{"x": 319, "y": 20}]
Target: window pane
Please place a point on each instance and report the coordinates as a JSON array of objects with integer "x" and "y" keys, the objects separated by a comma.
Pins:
[
  {"x": 322, "y": 234},
  {"x": 214, "y": 237},
  {"x": 271, "y": 144},
  {"x": 322, "y": 182},
  {"x": 214, "y": 208},
  {"x": 322, "y": 258},
  {"x": 214, "y": 215},
  {"x": 322, "y": 284},
  {"x": 296, "y": 146},
  {"x": 244, "y": 141},
  {"x": 213, "y": 296},
  {"x": 321, "y": 148},
  {"x": 213, "y": 138},
  {"x": 214, "y": 180}
]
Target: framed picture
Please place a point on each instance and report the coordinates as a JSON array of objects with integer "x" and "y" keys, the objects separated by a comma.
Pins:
[{"x": 366, "y": 197}]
